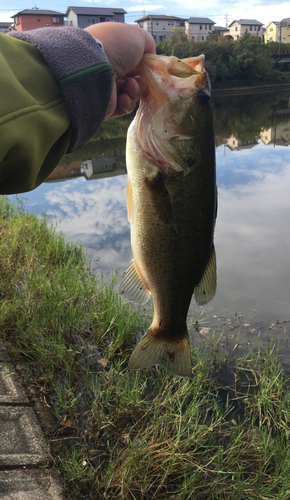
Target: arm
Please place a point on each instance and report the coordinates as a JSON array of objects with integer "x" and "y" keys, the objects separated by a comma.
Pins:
[{"x": 58, "y": 87}]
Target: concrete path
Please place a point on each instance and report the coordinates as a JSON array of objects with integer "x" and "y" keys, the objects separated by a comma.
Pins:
[{"x": 24, "y": 456}]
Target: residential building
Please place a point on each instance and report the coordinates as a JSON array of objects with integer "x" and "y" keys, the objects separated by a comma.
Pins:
[
  {"x": 66, "y": 172},
  {"x": 234, "y": 143},
  {"x": 198, "y": 28},
  {"x": 160, "y": 27},
  {"x": 81, "y": 17},
  {"x": 4, "y": 27},
  {"x": 252, "y": 26},
  {"x": 30, "y": 19},
  {"x": 106, "y": 165},
  {"x": 278, "y": 135},
  {"x": 277, "y": 31},
  {"x": 221, "y": 30}
]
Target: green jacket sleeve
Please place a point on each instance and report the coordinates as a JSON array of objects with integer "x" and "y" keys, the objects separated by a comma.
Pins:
[
  {"x": 31, "y": 101},
  {"x": 55, "y": 88}
]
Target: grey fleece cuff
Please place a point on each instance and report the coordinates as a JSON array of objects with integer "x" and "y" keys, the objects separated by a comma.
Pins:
[{"x": 83, "y": 71}]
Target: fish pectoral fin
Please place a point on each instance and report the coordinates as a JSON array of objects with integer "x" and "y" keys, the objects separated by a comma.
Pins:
[
  {"x": 132, "y": 287},
  {"x": 160, "y": 198},
  {"x": 206, "y": 288},
  {"x": 174, "y": 355}
]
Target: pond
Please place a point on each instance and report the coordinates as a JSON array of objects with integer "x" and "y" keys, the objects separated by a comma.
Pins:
[{"x": 252, "y": 236}]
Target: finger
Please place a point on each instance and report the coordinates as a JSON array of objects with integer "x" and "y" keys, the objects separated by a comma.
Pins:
[
  {"x": 125, "y": 106},
  {"x": 133, "y": 87}
]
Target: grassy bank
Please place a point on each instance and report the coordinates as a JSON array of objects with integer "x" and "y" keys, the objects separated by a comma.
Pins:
[{"x": 132, "y": 435}]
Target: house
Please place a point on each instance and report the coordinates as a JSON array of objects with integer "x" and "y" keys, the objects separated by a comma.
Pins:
[
  {"x": 159, "y": 26},
  {"x": 30, "y": 19},
  {"x": 234, "y": 143},
  {"x": 221, "y": 30},
  {"x": 81, "y": 17},
  {"x": 239, "y": 28},
  {"x": 277, "y": 31},
  {"x": 197, "y": 28},
  {"x": 106, "y": 165},
  {"x": 4, "y": 27}
]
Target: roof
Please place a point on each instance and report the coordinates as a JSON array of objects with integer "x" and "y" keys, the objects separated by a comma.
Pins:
[
  {"x": 273, "y": 22},
  {"x": 220, "y": 28},
  {"x": 156, "y": 16},
  {"x": 285, "y": 22},
  {"x": 247, "y": 22},
  {"x": 94, "y": 11},
  {"x": 200, "y": 20},
  {"x": 3, "y": 25},
  {"x": 38, "y": 12}
]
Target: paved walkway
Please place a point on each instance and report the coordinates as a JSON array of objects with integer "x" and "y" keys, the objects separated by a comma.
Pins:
[{"x": 24, "y": 454}]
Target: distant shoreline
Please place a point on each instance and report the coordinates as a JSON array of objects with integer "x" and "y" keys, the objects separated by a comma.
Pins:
[{"x": 249, "y": 90}]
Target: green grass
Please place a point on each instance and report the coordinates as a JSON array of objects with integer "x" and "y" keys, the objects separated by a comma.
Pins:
[{"x": 133, "y": 435}]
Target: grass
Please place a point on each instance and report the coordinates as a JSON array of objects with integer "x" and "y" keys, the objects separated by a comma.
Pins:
[{"x": 133, "y": 435}]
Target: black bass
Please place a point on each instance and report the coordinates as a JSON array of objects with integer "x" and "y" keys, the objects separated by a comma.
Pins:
[{"x": 171, "y": 198}]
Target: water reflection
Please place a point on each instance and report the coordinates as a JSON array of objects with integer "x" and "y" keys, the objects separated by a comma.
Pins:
[{"x": 252, "y": 238}]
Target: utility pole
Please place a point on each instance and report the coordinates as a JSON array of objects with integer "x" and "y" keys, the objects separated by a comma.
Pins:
[
  {"x": 226, "y": 20},
  {"x": 280, "y": 38}
]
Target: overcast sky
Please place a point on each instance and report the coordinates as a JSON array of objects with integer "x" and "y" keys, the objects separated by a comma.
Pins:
[{"x": 220, "y": 11}]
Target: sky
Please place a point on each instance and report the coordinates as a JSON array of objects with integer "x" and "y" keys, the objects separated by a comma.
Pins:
[{"x": 219, "y": 11}]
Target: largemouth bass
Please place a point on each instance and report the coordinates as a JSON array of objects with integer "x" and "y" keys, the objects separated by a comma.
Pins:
[{"x": 171, "y": 198}]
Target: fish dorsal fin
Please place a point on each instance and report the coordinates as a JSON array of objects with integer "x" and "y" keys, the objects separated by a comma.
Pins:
[
  {"x": 132, "y": 287},
  {"x": 206, "y": 288}
]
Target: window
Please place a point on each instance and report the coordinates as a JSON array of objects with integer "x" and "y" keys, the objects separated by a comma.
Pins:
[
  {"x": 236, "y": 28},
  {"x": 55, "y": 20},
  {"x": 200, "y": 26},
  {"x": 93, "y": 21},
  {"x": 141, "y": 24},
  {"x": 47, "y": 24},
  {"x": 202, "y": 38},
  {"x": 160, "y": 38},
  {"x": 157, "y": 23},
  {"x": 17, "y": 20},
  {"x": 169, "y": 24},
  {"x": 163, "y": 28},
  {"x": 102, "y": 19},
  {"x": 38, "y": 19},
  {"x": 271, "y": 29},
  {"x": 259, "y": 28},
  {"x": 205, "y": 26},
  {"x": 255, "y": 27},
  {"x": 250, "y": 28}
]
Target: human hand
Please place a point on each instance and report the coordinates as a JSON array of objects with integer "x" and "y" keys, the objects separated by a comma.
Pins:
[{"x": 124, "y": 45}]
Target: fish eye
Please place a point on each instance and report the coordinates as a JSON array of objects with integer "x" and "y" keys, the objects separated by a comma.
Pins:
[{"x": 203, "y": 97}]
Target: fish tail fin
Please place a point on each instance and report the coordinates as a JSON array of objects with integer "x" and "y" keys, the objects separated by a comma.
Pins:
[{"x": 174, "y": 355}]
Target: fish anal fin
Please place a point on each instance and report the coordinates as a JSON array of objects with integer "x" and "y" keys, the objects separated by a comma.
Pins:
[
  {"x": 132, "y": 287},
  {"x": 174, "y": 355},
  {"x": 160, "y": 198},
  {"x": 129, "y": 201},
  {"x": 206, "y": 288}
]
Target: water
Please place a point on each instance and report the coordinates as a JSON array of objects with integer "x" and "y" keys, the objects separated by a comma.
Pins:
[{"x": 252, "y": 235}]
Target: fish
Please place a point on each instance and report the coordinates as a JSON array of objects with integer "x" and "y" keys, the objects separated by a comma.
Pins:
[{"x": 172, "y": 207}]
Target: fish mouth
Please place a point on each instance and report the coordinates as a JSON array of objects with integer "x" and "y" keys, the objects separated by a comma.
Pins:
[
  {"x": 168, "y": 78},
  {"x": 163, "y": 74}
]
